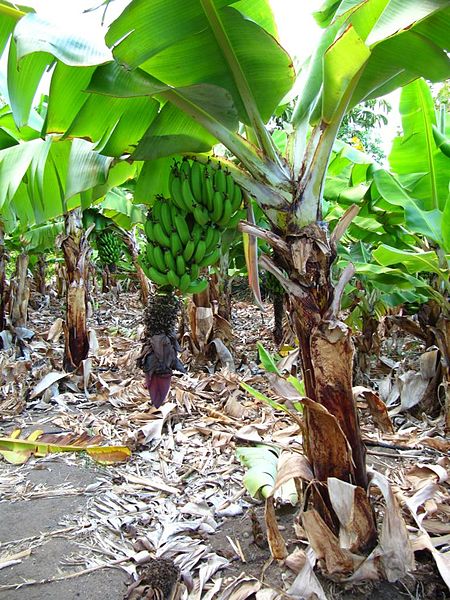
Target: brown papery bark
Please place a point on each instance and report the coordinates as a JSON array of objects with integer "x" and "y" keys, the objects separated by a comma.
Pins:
[
  {"x": 20, "y": 292},
  {"x": 332, "y": 437},
  {"x": 76, "y": 250}
]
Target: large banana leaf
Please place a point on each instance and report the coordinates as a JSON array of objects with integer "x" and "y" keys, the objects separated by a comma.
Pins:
[
  {"x": 83, "y": 46},
  {"x": 25, "y": 134},
  {"x": 181, "y": 44},
  {"x": 416, "y": 151},
  {"x": 188, "y": 45},
  {"x": 14, "y": 163},
  {"x": 9, "y": 15}
]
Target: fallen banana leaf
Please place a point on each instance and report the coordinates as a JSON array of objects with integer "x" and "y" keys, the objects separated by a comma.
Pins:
[{"x": 17, "y": 451}]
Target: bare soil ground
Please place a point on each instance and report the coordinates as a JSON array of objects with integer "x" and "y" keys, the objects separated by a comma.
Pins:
[{"x": 71, "y": 528}]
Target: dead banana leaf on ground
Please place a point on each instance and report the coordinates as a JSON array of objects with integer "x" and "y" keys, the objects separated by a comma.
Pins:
[{"x": 17, "y": 451}]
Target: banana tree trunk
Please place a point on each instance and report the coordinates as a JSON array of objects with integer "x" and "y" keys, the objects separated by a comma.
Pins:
[
  {"x": 326, "y": 351},
  {"x": 2, "y": 279},
  {"x": 20, "y": 292},
  {"x": 76, "y": 250},
  {"x": 331, "y": 437},
  {"x": 201, "y": 322},
  {"x": 61, "y": 283},
  {"x": 220, "y": 292},
  {"x": 443, "y": 343},
  {"x": 39, "y": 275}
]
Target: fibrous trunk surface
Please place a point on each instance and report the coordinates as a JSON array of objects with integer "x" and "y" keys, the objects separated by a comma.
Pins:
[
  {"x": 76, "y": 250},
  {"x": 20, "y": 292},
  {"x": 332, "y": 438}
]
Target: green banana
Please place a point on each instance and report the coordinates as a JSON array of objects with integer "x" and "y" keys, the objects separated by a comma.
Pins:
[
  {"x": 229, "y": 184},
  {"x": 199, "y": 251},
  {"x": 166, "y": 217},
  {"x": 208, "y": 191},
  {"x": 195, "y": 271},
  {"x": 148, "y": 228},
  {"x": 201, "y": 214},
  {"x": 220, "y": 180},
  {"x": 156, "y": 210},
  {"x": 159, "y": 261},
  {"x": 210, "y": 259},
  {"x": 157, "y": 277},
  {"x": 182, "y": 228},
  {"x": 176, "y": 247},
  {"x": 161, "y": 236},
  {"x": 185, "y": 282},
  {"x": 173, "y": 279},
  {"x": 188, "y": 198},
  {"x": 196, "y": 180},
  {"x": 197, "y": 286},
  {"x": 188, "y": 251},
  {"x": 169, "y": 261},
  {"x": 109, "y": 248},
  {"x": 211, "y": 237},
  {"x": 218, "y": 202},
  {"x": 175, "y": 191},
  {"x": 197, "y": 233},
  {"x": 185, "y": 168},
  {"x": 149, "y": 254},
  {"x": 180, "y": 265},
  {"x": 227, "y": 212},
  {"x": 236, "y": 198}
]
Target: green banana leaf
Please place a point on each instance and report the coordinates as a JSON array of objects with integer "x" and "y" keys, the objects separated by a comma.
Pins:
[
  {"x": 23, "y": 81},
  {"x": 236, "y": 49},
  {"x": 416, "y": 151},
  {"x": 118, "y": 206},
  {"x": 413, "y": 260},
  {"x": 262, "y": 463},
  {"x": 417, "y": 219}
]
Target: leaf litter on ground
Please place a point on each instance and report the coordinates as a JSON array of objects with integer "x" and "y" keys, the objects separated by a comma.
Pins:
[{"x": 184, "y": 482}]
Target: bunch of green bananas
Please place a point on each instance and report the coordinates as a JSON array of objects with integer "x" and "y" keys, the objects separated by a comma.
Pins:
[
  {"x": 109, "y": 248},
  {"x": 178, "y": 247},
  {"x": 211, "y": 195},
  {"x": 184, "y": 232}
]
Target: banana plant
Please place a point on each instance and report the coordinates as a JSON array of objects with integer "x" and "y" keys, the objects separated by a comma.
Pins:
[
  {"x": 177, "y": 78},
  {"x": 43, "y": 179}
]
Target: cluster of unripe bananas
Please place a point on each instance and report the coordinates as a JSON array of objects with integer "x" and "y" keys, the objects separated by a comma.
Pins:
[
  {"x": 184, "y": 232},
  {"x": 109, "y": 248}
]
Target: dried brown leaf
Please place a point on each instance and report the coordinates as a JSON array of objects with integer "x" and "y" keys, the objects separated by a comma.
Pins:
[
  {"x": 326, "y": 546},
  {"x": 397, "y": 557},
  {"x": 352, "y": 508},
  {"x": 292, "y": 465},
  {"x": 277, "y": 544},
  {"x": 377, "y": 408},
  {"x": 241, "y": 588}
]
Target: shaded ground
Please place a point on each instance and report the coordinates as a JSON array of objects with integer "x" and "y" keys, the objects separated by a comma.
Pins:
[{"x": 75, "y": 524}]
